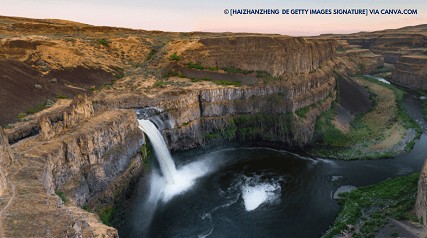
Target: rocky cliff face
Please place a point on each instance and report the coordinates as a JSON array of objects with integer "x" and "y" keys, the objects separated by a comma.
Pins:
[
  {"x": 421, "y": 204},
  {"x": 275, "y": 55},
  {"x": 87, "y": 160},
  {"x": 411, "y": 71},
  {"x": 405, "y": 48},
  {"x": 283, "y": 110},
  {"x": 251, "y": 114}
]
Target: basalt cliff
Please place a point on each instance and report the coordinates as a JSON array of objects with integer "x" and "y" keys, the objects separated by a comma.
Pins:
[
  {"x": 71, "y": 148},
  {"x": 403, "y": 49}
]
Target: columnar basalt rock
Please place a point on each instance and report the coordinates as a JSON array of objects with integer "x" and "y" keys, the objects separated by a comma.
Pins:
[
  {"x": 83, "y": 161},
  {"x": 411, "y": 71},
  {"x": 276, "y": 55}
]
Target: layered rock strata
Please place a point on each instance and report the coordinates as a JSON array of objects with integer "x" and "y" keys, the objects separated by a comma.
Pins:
[
  {"x": 86, "y": 160},
  {"x": 411, "y": 71}
]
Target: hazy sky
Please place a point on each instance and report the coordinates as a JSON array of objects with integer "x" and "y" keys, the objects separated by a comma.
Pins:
[{"x": 209, "y": 15}]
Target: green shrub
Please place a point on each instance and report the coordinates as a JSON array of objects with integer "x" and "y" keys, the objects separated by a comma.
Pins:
[
  {"x": 62, "y": 196},
  {"x": 106, "y": 215},
  {"x": 175, "y": 74},
  {"x": 61, "y": 96},
  {"x": 37, "y": 108},
  {"x": 227, "y": 82},
  {"x": 160, "y": 84},
  {"x": 195, "y": 66},
  {"x": 175, "y": 57},
  {"x": 151, "y": 53},
  {"x": 234, "y": 70},
  {"x": 86, "y": 208},
  {"x": 21, "y": 115},
  {"x": 104, "y": 42},
  {"x": 375, "y": 203}
]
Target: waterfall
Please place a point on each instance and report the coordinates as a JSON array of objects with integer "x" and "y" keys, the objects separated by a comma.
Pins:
[
  {"x": 174, "y": 181},
  {"x": 163, "y": 155}
]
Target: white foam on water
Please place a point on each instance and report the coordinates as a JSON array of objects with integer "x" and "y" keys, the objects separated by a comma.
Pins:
[
  {"x": 256, "y": 193},
  {"x": 378, "y": 78},
  {"x": 184, "y": 179},
  {"x": 174, "y": 181}
]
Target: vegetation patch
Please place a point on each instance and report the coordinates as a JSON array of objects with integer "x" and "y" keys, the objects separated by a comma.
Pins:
[
  {"x": 151, "y": 53},
  {"x": 365, "y": 211},
  {"x": 104, "y": 42},
  {"x": 61, "y": 96},
  {"x": 254, "y": 127},
  {"x": 86, "y": 208},
  {"x": 21, "y": 116},
  {"x": 160, "y": 83},
  {"x": 213, "y": 68},
  {"x": 227, "y": 82},
  {"x": 301, "y": 112},
  {"x": 371, "y": 135},
  {"x": 147, "y": 153},
  {"x": 233, "y": 70},
  {"x": 36, "y": 108},
  {"x": 175, "y": 74},
  {"x": 106, "y": 215},
  {"x": 175, "y": 57},
  {"x": 195, "y": 66},
  {"x": 62, "y": 196}
]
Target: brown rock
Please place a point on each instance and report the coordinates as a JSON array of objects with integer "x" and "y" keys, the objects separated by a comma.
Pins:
[
  {"x": 81, "y": 108},
  {"x": 6, "y": 158},
  {"x": 46, "y": 128}
]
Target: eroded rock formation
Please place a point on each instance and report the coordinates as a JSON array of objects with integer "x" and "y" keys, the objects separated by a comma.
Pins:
[{"x": 6, "y": 159}]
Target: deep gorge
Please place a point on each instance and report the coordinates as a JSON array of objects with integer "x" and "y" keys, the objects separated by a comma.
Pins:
[{"x": 79, "y": 165}]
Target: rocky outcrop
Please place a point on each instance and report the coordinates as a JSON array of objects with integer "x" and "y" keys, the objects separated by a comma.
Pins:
[
  {"x": 421, "y": 204},
  {"x": 80, "y": 109},
  {"x": 366, "y": 60},
  {"x": 86, "y": 164},
  {"x": 411, "y": 71},
  {"x": 6, "y": 159}
]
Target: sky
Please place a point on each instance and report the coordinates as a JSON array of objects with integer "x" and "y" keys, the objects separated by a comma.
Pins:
[{"x": 204, "y": 15}]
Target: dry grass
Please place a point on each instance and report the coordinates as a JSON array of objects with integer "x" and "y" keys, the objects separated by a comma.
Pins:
[{"x": 382, "y": 122}]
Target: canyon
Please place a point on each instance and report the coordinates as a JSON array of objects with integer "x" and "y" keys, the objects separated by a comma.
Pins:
[{"x": 70, "y": 146}]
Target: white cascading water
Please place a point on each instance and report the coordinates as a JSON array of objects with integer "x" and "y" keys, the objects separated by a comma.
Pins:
[
  {"x": 174, "y": 181},
  {"x": 162, "y": 152}
]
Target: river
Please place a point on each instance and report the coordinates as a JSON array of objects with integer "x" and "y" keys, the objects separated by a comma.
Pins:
[{"x": 261, "y": 192}]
